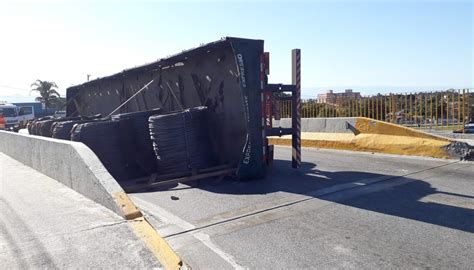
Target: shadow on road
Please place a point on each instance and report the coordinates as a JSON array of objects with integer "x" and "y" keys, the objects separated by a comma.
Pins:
[{"x": 412, "y": 199}]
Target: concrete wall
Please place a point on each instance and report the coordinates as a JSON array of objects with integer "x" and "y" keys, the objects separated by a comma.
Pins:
[
  {"x": 71, "y": 163},
  {"x": 332, "y": 125},
  {"x": 356, "y": 125}
]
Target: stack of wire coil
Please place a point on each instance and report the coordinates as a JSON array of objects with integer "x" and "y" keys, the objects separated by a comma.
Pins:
[
  {"x": 59, "y": 120},
  {"x": 181, "y": 141},
  {"x": 36, "y": 125},
  {"x": 140, "y": 152},
  {"x": 103, "y": 138},
  {"x": 45, "y": 127},
  {"x": 62, "y": 130}
]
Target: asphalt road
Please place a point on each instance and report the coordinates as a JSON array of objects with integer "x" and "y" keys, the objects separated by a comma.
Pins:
[
  {"x": 340, "y": 210},
  {"x": 46, "y": 225}
]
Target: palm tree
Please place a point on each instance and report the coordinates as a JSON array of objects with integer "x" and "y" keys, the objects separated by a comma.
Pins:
[{"x": 47, "y": 91}]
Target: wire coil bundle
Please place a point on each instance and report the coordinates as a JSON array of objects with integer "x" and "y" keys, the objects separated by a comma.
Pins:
[
  {"x": 181, "y": 141},
  {"x": 29, "y": 127},
  {"x": 62, "y": 129},
  {"x": 53, "y": 123},
  {"x": 37, "y": 124},
  {"x": 45, "y": 126},
  {"x": 140, "y": 152},
  {"x": 102, "y": 137}
]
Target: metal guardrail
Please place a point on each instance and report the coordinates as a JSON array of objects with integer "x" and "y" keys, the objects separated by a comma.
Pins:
[{"x": 450, "y": 109}]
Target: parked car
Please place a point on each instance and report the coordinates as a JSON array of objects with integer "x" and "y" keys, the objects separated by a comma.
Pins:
[{"x": 468, "y": 128}]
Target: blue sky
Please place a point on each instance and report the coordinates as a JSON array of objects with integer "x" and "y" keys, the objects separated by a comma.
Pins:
[{"x": 374, "y": 46}]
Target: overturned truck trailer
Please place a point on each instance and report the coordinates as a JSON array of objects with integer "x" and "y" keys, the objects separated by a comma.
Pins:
[{"x": 227, "y": 76}]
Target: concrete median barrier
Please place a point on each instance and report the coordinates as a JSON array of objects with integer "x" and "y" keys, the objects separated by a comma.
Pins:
[
  {"x": 365, "y": 134},
  {"x": 70, "y": 163}
]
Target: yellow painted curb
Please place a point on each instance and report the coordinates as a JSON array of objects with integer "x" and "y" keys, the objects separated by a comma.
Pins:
[
  {"x": 145, "y": 231},
  {"x": 129, "y": 210},
  {"x": 158, "y": 246}
]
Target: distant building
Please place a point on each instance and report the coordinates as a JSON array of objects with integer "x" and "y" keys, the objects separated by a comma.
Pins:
[{"x": 334, "y": 98}]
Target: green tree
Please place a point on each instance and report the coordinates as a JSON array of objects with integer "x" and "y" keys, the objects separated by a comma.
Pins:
[{"x": 49, "y": 95}]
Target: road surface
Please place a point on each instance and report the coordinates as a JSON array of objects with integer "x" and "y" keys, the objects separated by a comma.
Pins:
[{"x": 340, "y": 210}]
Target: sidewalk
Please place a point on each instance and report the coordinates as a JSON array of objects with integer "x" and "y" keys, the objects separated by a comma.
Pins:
[{"x": 44, "y": 224}]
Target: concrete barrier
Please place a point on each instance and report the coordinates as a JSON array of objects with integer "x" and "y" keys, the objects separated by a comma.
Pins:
[
  {"x": 76, "y": 166},
  {"x": 356, "y": 125},
  {"x": 365, "y": 134},
  {"x": 70, "y": 163},
  {"x": 331, "y": 125}
]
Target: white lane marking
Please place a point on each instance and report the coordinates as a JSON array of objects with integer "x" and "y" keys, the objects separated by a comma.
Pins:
[{"x": 204, "y": 238}]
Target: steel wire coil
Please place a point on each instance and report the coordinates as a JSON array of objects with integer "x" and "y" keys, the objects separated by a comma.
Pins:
[
  {"x": 181, "y": 141},
  {"x": 140, "y": 152},
  {"x": 102, "y": 137}
]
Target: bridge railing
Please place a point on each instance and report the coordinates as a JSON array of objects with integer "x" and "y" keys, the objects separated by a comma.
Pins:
[{"x": 449, "y": 109}]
